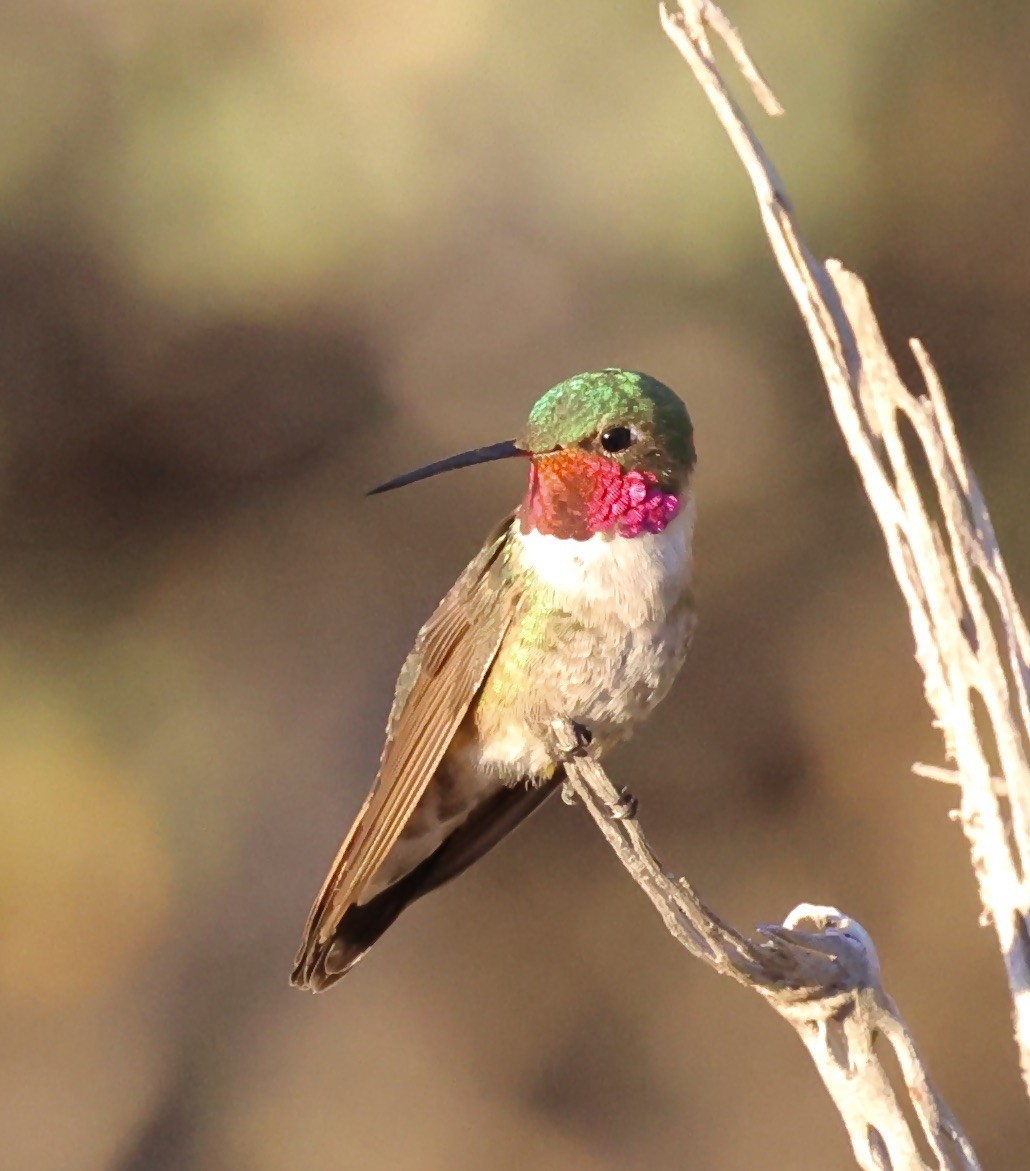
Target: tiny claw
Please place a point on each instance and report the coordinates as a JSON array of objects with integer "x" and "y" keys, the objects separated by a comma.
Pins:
[
  {"x": 570, "y": 740},
  {"x": 568, "y": 794},
  {"x": 584, "y": 738},
  {"x": 625, "y": 809}
]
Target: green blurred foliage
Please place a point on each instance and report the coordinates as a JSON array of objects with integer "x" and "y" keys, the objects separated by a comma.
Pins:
[{"x": 258, "y": 254}]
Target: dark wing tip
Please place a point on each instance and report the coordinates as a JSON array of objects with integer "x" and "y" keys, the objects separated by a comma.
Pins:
[
  {"x": 304, "y": 970},
  {"x": 321, "y": 962},
  {"x": 320, "y": 965}
]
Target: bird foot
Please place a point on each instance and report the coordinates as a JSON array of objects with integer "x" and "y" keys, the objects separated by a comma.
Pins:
[
  {"x": 570, "y": 740},
  {"x": 625, "y": 809},
  {"x": 584, "y": 738}
]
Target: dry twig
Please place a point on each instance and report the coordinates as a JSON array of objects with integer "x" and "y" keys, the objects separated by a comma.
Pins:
[
  {"x": 819, "y": 970},
  {"x": 942, "y": 576}
]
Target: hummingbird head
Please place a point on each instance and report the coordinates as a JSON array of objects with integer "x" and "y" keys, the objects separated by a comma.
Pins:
[{"x": 611, "y": 452}]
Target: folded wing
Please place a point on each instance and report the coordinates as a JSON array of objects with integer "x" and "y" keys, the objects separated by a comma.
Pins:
[{"x": 437, "y": 684}]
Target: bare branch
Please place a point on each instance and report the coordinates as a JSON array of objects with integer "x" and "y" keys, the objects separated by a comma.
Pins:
[
  {"x": 819, "y": 971},
  {"x": 950, "y": 572}
]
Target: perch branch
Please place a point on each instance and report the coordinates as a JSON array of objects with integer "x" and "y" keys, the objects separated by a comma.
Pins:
[
  {"x": 940, "y": 541},
  {"x": 819, "y": 971}
]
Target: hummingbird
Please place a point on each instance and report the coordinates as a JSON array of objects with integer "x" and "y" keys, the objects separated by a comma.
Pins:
[{"x": 578, "y": 607}]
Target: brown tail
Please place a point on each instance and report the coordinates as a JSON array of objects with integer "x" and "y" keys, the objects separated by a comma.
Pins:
[{"x": 320, "y": 963}]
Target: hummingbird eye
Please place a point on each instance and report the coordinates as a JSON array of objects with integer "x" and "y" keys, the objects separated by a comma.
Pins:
[{"x": 616, "y": 439}]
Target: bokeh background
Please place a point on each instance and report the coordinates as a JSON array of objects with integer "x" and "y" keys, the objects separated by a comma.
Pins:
[{"x": 257, "y": 255}]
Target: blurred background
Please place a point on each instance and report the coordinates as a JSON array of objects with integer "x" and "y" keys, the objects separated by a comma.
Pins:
[{"x": 257, "y": 255}]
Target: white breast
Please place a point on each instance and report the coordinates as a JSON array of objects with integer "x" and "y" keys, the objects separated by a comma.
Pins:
[{"x": 636, "y": 579}]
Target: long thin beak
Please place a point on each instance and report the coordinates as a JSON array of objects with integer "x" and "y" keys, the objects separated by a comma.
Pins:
[{"x": 481, "y": 455}]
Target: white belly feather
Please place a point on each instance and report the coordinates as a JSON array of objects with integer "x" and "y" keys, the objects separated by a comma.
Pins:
[{"x": 622, "y": 630}]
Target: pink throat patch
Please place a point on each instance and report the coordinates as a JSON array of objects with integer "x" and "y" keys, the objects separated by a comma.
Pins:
[{"x": 575, "y": 494}]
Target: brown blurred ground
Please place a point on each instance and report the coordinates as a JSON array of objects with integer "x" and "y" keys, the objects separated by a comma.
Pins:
[{"x": 257, "y": 256}]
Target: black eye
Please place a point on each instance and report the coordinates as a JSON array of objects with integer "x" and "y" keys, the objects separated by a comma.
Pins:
[{"x": 616, "y": 439}]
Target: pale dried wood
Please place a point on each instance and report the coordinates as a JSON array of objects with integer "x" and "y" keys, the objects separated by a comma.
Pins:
[
  {"x": 942, "y": 575},
  {"x": 819, "y": 970}
]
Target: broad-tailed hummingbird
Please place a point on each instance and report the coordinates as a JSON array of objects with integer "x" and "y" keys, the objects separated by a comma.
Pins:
[{"x": 577, "y": 608}]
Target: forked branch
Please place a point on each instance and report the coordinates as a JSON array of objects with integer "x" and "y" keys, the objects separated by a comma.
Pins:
[
  {"x": 946, "y": 568},
  {"x": 819, "y": 969}
]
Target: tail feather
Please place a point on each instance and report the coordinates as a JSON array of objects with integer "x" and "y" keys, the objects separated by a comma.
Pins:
[{"x": 321, "y": 962}]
